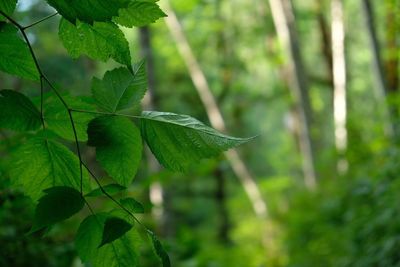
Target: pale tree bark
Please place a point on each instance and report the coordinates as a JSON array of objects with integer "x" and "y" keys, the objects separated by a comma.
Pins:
[
  {"x": 283, "y": 18},
  {"x": 214, "y": 114},
  {"x": 381, "y": 87},
  {"x": 339, "y": 82}
]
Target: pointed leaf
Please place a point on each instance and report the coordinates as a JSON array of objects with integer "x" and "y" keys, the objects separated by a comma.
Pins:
[
  {"x": 120, "y": 253},
  {"x": 58, "y": 120},
  {"x": 119, "y": 89},
  {"x": 139, "y": 13},
  {"x": 110, "y": 189},
  {"x": 18, "y": 112},
  {"x": 178, "y": 141},
  {"x": 132, "y": 205},
  {"x": 15, "y": 57},
  {"x": 8, "y": 7},
  {"x": 114, "y": 228},
  {"x": 88, "y": 10},
  {"x": 39, "y": 164},
  {"x": 58, "y": 204},
  {"x": 118, "y": 146},
  {"x": 100, "y": 41},
  {"x": 159, "y": 249}
]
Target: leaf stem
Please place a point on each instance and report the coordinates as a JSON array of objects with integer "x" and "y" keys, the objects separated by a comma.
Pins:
[
  {"x": 106, "y": 113},
  {"x": 39, "y": 21}
]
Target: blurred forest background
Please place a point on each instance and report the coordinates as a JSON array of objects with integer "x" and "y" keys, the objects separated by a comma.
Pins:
[{"x": 316, "y": 80}]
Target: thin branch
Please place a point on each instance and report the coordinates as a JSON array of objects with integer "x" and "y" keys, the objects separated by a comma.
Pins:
[{"x": 39, "y": 21}]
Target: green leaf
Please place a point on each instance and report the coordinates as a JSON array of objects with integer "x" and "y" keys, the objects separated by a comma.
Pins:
[
  {"x": 118, "y": 146},
  {"x": 88, "y": 10},
  {"x": 114, "y": 228},
  {"x": 132, "y": 205},
  {"x": 178, "y": 141},
  {"x": 58, "y": 120},
  {"x": 119, "y": 89},
  {"x": 110, "y": 189},
  {"x": 139, "y": 13},
  {"x": 39, "y": 164},
  {"x": 120, "y": 253},
  {"x": 159, "y": 249},
  {"x": 18, "y": 112},
  {"x": 8, "y": 7},
  {"x": 58, "y": 204},
  {"x": 100, "y": 41},
  {"x": 15, "y": 57}
]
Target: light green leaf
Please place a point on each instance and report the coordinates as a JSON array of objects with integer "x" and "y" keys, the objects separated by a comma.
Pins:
[
  {"x": 114, "y": 228},
  {"x": 18, "y": 112},
  {"x": 139, "y": 13},
  {"x": 88, "y": 10},
  {"x": 58, "y": 204},
  {"x": 110, "y": 189},
  {"x": 8, "y": 7},
  {"x": 15, "y": 57},
  {"x": 98, "y": 41},
  {"x": 39, "y": 164},
  {"x": 132, "y": 205},
  {"x": 159, "y": 249},
  {"x": 119, "y": 89},
  {"x": 178, "y": 141},
  {"x": 58, "y": 120},
  {"x": 118, "y": 146},
  {"x": 120, "y": 253}
]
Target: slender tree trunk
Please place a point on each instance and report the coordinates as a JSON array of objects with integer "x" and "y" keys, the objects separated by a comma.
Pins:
[
  {"x": 213, "y": 112},
  {"x": 339, "y": 81},
  {"x": 381, "y": 88},
  {"x": 283, "y": 18},
  {"x": 392, "y": 44},
  {"x": 159, "y": 196}
]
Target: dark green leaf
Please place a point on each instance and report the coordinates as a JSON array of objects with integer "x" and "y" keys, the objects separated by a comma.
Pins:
[
  {"x": 8, "y": 7},
  {"x": 58, "y": 204},
  {"x": 139, "y": 13},
  {"x": 119, "y": 89},
  {"x": 88, "y": 10},
  {"x": 58, "y": 120},
  {"x": 118, "y": 146},
  {"x": 159, "y": 249},
  {"x": 18, "y": 112},
  {"x": 178, "y": 141},
  {"x": 120, "y": 253},
  {"x": 132, "y": 205},
  {"x": 114, "y": 228},
  {"x": 15, "y": 57},
  {"x": 100, "y": 41},
  {"x": 39, "y": 164},
  {"x": 110, "y": 189}
]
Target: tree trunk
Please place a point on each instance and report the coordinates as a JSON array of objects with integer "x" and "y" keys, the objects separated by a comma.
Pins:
[
  {"x": 212, "y": 110},
  {"x": 283, "y": 18}
]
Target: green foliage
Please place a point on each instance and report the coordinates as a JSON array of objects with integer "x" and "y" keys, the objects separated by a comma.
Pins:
[
  {"x": 139, "y": 13},
  {"x": 58, "y": 204},
  {"x": 18, "y": 112},
  {"x": 40, "y": 163},
  {"x": 132, "y": 205},
  {"x": 114, "y": 228},
  {"x": 8, "y": 6},
  {"x": 120, "y": 89},
  {"x": 161, "y": 253},
  {"x": 15, "y": 57},
  {"x": 58, "y": 120},
  {"x": 88, "y": 10},
  {"x": 180, "y": 140},
  {"x": 110, "y": 189},
  {"x": 118, "y": 146},
  {"x": 98, "y": 41},
  {"x": 120, "y": 252}
]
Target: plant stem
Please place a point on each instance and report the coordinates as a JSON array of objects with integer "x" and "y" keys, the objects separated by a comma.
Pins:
[
  {"x": 105, "y": 113},
  {"x": 39, "y": 21}
]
